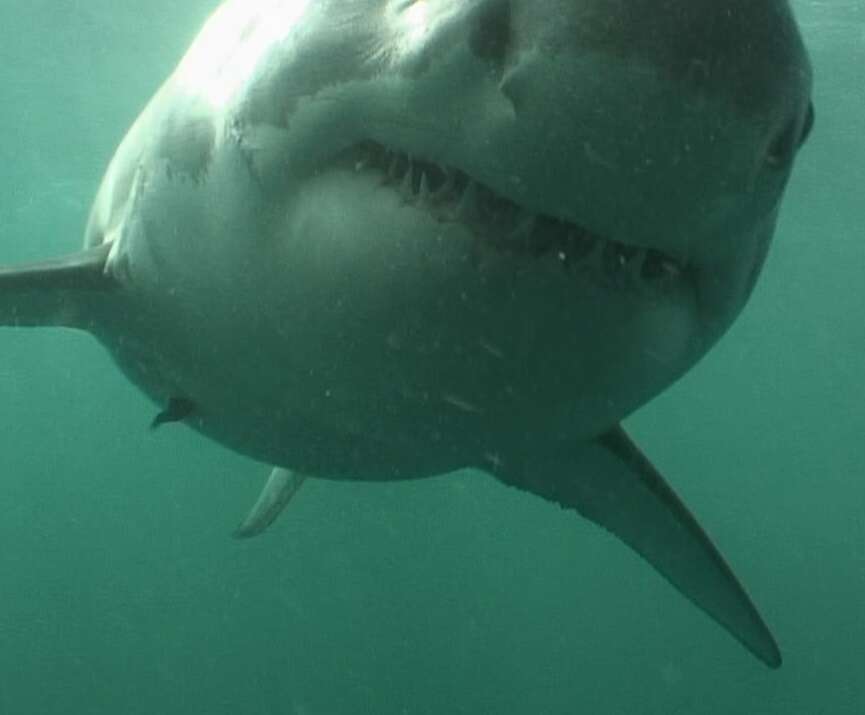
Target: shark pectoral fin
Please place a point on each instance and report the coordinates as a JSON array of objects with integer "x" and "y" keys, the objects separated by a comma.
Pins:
[
  {"x": 610, "y": 482},
  {"x": 281, "y": 486},
  {"x": 55, "y": 292},
  {"x": 177, "y": 410}
]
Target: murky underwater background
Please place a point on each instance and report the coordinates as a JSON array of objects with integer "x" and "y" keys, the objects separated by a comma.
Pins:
[{"x": 121, "y": 591}]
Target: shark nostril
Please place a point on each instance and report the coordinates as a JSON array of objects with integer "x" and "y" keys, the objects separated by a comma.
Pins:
[{"x": 491, "y": 34}]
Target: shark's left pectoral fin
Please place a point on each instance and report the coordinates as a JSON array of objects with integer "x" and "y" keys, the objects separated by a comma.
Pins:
[
  {"x": 610, "y": 482},
  {"x": 280, "y": 488}
]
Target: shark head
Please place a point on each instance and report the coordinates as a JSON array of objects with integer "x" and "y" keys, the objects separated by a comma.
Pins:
[
  {"x": 391, "y": 238},
  {"x": 461, "y": 216}
]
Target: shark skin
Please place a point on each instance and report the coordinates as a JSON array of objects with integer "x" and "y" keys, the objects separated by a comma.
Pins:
[{"x": 388, "y": 239}]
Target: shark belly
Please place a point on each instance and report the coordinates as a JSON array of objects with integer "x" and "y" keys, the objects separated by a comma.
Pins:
[{"x": 445, "y": 352}]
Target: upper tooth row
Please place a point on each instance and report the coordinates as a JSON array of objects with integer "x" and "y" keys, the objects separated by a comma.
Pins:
[
  {"x": 402, "y": 168},
  {"x": 633, "y": 259}
]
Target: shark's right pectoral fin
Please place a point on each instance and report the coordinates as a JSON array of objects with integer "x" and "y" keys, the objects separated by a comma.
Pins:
[
  {"x": 280, "y": 488},
  {"x": 61, "y": 291},
  {"x": 611, "y": 483}
]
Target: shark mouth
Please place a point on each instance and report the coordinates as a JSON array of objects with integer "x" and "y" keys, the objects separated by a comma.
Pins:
[{"x": 451, "y": 195}]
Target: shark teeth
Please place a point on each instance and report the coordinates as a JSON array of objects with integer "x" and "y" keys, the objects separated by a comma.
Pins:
[
  {"x": 424, "y": 193},
  {"x": 451, "y": 195},
  {"x": 657, "y": 266}
]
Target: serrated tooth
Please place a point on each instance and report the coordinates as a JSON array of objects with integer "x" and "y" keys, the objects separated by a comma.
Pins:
[
  {"x": 423, "y": 190},
  {"x": 659, "y": 269}
]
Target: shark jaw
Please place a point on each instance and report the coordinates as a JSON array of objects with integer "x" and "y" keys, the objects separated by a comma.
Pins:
[
  {"x": 415, "y": 290},
  {"x": 451, "y": 196}
]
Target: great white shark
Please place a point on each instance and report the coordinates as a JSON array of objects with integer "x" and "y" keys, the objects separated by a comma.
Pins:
[{"x": 387, "y": 239}]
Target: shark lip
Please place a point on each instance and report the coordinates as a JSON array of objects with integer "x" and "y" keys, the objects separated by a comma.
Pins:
[{"x": 451, "y": 195}]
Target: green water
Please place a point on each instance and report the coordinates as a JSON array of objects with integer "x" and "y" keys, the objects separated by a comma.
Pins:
[{"x": 121, "y": 591}]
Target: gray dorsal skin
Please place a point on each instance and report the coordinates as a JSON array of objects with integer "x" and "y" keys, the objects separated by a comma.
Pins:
[{"x": 386, "y": 239}]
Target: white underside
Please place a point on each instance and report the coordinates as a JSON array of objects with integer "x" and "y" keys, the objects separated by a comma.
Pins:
[{"x": 344, "y": 308}]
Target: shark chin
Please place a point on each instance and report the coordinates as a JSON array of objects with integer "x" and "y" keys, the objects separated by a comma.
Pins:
[{"x": 389, "y": 239}]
